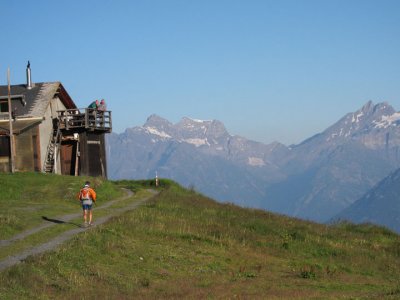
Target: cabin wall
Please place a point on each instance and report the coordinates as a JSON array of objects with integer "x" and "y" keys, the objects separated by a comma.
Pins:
[
  {"x": 68, "y": 157},
  {"x": 26, "y": 150},
  {"x": 37, "y": 163},
  {"x": 92, "y": 154}
]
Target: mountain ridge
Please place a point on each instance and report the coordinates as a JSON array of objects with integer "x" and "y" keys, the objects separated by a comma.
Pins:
[
  {"x": 380, "y": 205},
  {"x": 330, "y": 170}
]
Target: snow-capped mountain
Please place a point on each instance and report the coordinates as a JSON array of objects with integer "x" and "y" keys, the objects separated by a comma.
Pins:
[
  {"x": 315, "y": 179},
  {"x": 191, "y": 131},
  {"x": 369, "y": 119},
  {"x": 334, "y": 168},
  {"x": 197, "y": 153},
  {"x": 374, "y": 126},
  {"x": 211, "y": 137}
]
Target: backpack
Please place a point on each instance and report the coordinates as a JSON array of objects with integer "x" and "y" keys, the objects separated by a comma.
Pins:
[{"x": 85, "y": 195}]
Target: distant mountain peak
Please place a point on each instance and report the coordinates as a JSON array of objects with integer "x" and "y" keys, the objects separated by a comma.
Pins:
[
  {"x": 189, "y": 130},
  {"x": 201, "y": 128},
  {"x": 376, "y": 109},
  {"x": 367, "y": 107},
  {"x": 156, "y": 120},
  {"x": 159, "y": 126},
  {"x": 383, "y": 106},
  {"x": 363, "y": 121}
]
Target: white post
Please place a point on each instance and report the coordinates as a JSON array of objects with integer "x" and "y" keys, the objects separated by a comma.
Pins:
[{"x": 156, "y": 179}]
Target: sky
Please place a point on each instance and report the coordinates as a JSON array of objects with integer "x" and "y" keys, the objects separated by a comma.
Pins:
[{"x": 279, "y": 70}]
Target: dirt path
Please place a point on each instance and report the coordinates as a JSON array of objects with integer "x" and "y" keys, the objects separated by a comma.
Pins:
[
  {"x": 59, "y": 220},
  {"x": 53, "y": 243}
]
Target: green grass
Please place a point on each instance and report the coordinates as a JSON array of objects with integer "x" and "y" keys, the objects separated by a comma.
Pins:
[
  {"x": 26, "y": 197},
  {"x": 183, "y": 245}
]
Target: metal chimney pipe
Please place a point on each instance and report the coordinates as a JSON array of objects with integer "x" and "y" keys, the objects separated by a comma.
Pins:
[{"x": 28, "y": 76}]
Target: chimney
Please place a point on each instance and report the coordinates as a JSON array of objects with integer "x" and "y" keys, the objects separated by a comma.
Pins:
[{"x": 28, "y": 76}]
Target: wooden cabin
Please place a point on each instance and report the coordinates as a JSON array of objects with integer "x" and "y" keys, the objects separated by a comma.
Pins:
[{"x": 50, "y": 133}]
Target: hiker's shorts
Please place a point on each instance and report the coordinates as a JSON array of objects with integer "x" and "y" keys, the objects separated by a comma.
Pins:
[{"x": 87, "y": 206}]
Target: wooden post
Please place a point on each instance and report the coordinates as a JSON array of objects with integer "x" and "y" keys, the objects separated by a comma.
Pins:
[
  {"x": 103, "y": 172},
  {"x": 10, "y": 121},
  {"x": 77, "y": 155}
]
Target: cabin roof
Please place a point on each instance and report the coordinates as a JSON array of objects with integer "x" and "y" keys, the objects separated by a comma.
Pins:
[
  {"x": 34, "y": 101},
  {"x": 19, "y": 126}
]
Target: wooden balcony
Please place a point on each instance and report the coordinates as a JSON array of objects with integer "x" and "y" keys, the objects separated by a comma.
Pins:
[{"x": 85, "y": 119}]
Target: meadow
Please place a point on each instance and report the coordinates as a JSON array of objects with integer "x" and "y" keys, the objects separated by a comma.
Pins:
[{"x": 182, "y": 245}]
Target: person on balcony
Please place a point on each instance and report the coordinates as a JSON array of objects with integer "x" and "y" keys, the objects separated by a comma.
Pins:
[
  {"x": 102, "y": 106},
  {"x": 101, "y": 109},
  {"x": 92, "y": 112},
  {"x": 94, "y": 105}
]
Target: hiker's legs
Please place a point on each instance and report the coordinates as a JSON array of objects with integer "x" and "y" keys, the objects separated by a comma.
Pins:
[
  {"x": 84, "y": 215},
  {"x": 87, "y": 209},
  {"x": 90, "y": 216}
]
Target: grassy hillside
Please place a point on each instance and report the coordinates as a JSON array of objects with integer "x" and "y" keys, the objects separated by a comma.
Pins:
[
  {"x": 26, "y": 197},
  {"x": 183, "y": 245}
]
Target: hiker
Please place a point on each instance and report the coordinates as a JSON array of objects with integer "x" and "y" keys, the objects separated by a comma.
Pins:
[
  {"x": 102, "y": 106},
  {"x": 87, "y": 196},
  {"x": 100, "y": 112},
  {"x": 92, "y": 112},
  {"x": 94, "y": 105}
]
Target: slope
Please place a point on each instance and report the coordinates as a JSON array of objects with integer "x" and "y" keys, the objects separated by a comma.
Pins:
[
  {"x": 183, "y": 245},
  {"x": 46, "y": 225}
]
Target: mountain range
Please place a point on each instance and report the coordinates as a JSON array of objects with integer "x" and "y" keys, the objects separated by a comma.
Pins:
[{"x": 316, "y": 179}]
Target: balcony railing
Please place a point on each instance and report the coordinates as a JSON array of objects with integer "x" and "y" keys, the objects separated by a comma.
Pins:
[{"x": 85, "y": 118}]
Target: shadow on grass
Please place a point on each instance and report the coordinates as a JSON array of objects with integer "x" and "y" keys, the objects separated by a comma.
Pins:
[{"x": 60, "y": 221}]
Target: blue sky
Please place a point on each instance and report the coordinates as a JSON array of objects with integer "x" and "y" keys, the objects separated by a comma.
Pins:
[{"x": 278, "y": 70}]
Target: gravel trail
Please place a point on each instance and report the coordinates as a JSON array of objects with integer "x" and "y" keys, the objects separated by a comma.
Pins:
[{"x": 58, "y": 240}]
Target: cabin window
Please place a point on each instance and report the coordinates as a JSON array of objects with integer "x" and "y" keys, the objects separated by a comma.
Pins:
[
  {"x": 4, "y": 146},
  {"x": 14, "y": 99},
  {"x": 3, "y": 106}
]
